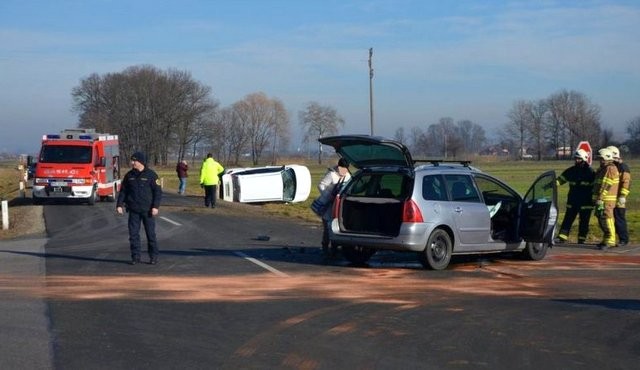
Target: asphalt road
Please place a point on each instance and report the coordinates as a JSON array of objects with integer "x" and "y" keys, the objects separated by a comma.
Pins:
[{"x": 225, "y": 297}]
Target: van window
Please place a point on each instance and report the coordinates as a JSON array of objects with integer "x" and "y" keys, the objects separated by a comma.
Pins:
[
  {"x": 433, "y": 188},
  {"x": 461, "y": 189}
]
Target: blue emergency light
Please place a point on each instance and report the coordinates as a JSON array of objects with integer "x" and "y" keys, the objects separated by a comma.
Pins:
[
  {"x": 85, "y": 137},
  {"x": 52, "y": 136}
]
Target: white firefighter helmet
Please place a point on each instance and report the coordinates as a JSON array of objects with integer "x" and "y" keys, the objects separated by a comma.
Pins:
[
  {"x": 605, "y": 154},
  {"x": 582, "y": 154},
  {"x": 614, "y": 152}
]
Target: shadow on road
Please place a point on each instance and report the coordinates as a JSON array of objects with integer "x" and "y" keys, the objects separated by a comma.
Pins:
[{"x": 618, "y": 304}]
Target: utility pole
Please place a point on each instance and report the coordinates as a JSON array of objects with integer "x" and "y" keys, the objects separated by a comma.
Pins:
[{"x": 371, "y": 90}]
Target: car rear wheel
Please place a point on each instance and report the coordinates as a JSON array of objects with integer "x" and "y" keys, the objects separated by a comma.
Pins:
[
  {"x": 437, "y": 254},
  {"x": 357, "y": 255},
  {"x": 535, "y": 251}
]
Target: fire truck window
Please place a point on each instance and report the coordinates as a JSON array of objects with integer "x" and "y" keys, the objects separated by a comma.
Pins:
[{"x": 66, "y": 154}]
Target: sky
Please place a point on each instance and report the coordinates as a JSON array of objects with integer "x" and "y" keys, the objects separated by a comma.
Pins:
[{"x": 464, "y": 59}]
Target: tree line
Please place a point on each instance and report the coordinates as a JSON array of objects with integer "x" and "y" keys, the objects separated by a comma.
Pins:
[{"x": 167, "y": 114}]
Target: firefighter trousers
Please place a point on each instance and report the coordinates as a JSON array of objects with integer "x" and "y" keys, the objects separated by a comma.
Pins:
[
  {"x": 607, "y": 224},
  {"x": 569, "y": 217},
  {"x": 620, "y": 217}
]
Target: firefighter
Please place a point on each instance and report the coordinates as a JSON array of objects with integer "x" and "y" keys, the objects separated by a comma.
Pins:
[
  {"x": 580, "y": 177},
  {"x": 605, "y": 193},
  {"x": 141, "y": 194},
  {"x": 619, "y": 213}
]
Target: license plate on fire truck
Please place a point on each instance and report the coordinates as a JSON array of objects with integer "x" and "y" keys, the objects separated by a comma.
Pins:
[{"x": 58, "y": 183}]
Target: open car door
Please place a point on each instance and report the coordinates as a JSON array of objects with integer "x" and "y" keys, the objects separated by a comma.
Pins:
[{"x": 539, "y": 212}]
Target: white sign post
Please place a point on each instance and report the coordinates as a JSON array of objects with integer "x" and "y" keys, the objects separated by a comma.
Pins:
[{"x": 5, "y": 215}]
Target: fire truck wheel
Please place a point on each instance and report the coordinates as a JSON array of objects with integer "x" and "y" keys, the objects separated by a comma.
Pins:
[
  {"x": 92, "y": 197},
  {"x": 112, "y": 197}
]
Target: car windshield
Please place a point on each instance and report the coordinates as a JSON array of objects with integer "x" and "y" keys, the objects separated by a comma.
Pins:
[
  {"x": 65, "y": 154},
  {"x": 288, "y": 185}
]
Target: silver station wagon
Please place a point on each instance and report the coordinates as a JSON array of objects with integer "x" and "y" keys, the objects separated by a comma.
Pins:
[{"x": 438, "y": 209}]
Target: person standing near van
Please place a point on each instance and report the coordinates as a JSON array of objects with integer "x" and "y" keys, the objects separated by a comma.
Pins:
[
  {"x": 209, "y": 179},
  {"x": 181, "y": 169},
  {"x": 335, "y": 176}
]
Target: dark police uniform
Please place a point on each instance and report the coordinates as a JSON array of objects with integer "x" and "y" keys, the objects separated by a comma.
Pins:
[{"x": 140, "y": 192}]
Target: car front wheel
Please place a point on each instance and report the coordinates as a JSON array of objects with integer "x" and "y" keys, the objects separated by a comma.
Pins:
[
  {"x": 535, "y": 251},
  {"x": 437, "y": 254},
  {"x": 357, "y": 255}
]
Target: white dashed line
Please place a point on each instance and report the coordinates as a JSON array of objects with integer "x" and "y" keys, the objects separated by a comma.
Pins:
[
  {"x": 170, "y": 221},
  {"x": 261, "y": 264}
]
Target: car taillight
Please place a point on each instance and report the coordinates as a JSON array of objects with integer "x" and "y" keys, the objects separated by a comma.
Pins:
[
  {"x": 411, "y": 212},
  {"x": 336, "y": 207}
]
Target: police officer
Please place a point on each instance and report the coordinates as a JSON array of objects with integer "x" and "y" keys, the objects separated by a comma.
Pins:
[
  {"x": 619, "y": 213},
  {"x": 141, "y": 194},
  {"x": 605, "y": 194},
  {"x": 580, "y": 177}
]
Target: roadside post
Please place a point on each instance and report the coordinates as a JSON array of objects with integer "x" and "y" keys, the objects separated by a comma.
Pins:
[{"x": 5, "y": 215}]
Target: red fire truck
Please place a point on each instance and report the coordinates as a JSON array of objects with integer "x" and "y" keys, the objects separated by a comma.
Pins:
[{"x": 77, "y": 164}]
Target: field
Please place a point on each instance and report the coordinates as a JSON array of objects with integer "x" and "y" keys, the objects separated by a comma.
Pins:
[{"x": 519, "y": 174}]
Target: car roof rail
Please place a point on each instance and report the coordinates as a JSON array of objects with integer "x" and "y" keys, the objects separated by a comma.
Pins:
[{"x": 437, "y": 162}]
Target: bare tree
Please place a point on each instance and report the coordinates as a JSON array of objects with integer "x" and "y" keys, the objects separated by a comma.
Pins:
[
  {"x": 573, "y": 118},
  {"x": 399, "y": 135},
  {"x": 633, "y": 130},
  {"x": 416, "y": 140},
  {"x": 519, "y": 123},
  {"x": 263, "y": 119},
  {"x": 471, "y": 135},
  {"x": 538, "y": 113},
  {"x": 318, "y": 121},
  {"x": 149, "y": 109}
]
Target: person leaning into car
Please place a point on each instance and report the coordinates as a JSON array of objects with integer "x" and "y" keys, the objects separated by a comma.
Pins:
[
  {"x": 338, "y": 174},
  {"x": 141, "y": 194},
  {"x": 209, "y": 179}
]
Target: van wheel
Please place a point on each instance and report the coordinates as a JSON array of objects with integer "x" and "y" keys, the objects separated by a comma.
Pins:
[
  {"x": 535, "y": 251},
  {"x": 437, "y": 254},
  {"x": 357, "y": 255}
]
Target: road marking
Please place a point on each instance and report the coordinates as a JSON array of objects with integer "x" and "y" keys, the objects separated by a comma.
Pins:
[
  {"x": 261, "y": 264},
  {"x": 170, "y": 221}
]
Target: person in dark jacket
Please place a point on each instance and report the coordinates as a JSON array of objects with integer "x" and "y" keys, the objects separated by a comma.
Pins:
[
  {"x": 141, "y": 193},
  {"x": 580, "y": 177},
  {"x": 181, "y": 168}
]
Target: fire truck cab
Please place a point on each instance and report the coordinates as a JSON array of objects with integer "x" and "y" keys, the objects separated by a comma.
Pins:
[{"x": 77, "y": 164}]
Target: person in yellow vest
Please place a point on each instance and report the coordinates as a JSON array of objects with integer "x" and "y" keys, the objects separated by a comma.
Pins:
[
  {"x": 209, "y": 179},
  {"x": 619, "y": 213},
  {"x": 605, "y": 194}
]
